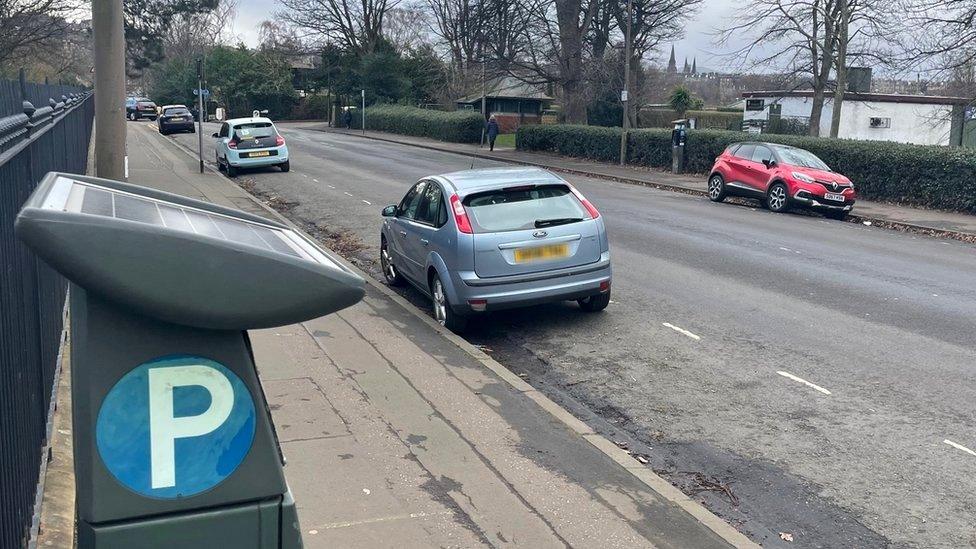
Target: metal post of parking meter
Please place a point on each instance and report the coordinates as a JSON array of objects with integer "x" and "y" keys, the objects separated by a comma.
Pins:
[
  {"x": 173, "y": 440},
  {"x": 678, "y": 139}
]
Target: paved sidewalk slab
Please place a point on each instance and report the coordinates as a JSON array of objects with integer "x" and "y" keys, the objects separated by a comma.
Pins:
[
  {"x": 935, "y": 220},
  {"x": 396, "y": 435}
]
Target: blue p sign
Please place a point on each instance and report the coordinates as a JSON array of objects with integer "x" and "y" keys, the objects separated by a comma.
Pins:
[{"x": 175, "y": 426}]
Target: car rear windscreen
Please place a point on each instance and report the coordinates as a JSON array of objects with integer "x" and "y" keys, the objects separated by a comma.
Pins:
[
  {"x": 254, "y": 130},
  {"x": 176, "y": 111},
  {"x": 522, "y": 208}
]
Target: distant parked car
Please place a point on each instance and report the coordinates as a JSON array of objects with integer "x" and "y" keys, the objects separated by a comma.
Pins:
[
  {"x": 490, "y": 239},
  {"x": 250, "y": 143},
  {"x": 782, "y": 177},
  {"x": 140, "y": 107},
  {"x": 175, "y": 118}
]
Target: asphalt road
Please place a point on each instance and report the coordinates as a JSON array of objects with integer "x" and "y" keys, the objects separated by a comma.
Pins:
[{"x": 796, "y": 374}]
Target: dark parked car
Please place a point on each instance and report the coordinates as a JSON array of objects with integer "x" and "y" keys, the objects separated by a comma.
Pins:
[
  {"x": 175, "y": 118},
  {"x": 140, "y": 107},
  {"x": 782, "y": 177}
]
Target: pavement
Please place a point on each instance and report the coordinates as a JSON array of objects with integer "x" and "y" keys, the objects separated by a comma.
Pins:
[
  {"x": 779, "y": 306},
  {"x": 398, "y": 434},
  {"x": 865, "y": 210}
]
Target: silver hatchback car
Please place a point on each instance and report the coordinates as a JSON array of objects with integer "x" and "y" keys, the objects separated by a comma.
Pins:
[{"x": 491, "y": 239}]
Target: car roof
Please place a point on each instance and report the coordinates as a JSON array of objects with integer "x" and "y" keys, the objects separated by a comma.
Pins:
[
  {"x": 466, "y": 181},
  {"x": 249, "y": 120},
  {"x": 174, "y": 106}
]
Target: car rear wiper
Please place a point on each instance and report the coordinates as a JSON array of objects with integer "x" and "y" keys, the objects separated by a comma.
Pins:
[{"x": 556, "y": 221}]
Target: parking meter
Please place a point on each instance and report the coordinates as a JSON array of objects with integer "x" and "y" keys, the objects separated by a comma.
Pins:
[
  {"x": 173, "y": 440},
  {"x": 678, "y": 137}
]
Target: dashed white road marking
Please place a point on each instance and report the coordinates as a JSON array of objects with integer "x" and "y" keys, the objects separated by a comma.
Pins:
[
  {"x": 331, "y": 186},
  {"x": 958, "y": 446},
  {"x": 303, "y": 175},
  {"x": 315, "y": 180},
  {"x": 368, "y": 202},
  {"x": 347, "y": 193},
  {"x": 803, "y": 381},
  {"x": 681, "y": 331}
]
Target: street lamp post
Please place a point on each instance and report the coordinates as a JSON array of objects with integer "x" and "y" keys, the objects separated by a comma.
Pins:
[
  {"x": 624, "y": 95},
  {"x": 201, "y": 111},
  {"x": 484, "y": 106}
]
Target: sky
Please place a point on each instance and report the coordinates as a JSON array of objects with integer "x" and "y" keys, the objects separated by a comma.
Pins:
[{"x": 698, "y": 41}]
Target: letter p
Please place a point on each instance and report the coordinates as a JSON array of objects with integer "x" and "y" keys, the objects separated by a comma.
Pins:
[{"x": 165, "y": 428}]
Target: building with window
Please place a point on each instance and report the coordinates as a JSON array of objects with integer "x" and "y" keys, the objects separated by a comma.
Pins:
[
  {"x": 917, "y": 119},
  {"x": 512, "y": 101}
]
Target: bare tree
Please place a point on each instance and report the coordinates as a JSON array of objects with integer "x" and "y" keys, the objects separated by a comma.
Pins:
[
  {"x": 406, "y": 27},
  {"x": 949, "y": 39},
  {"x": 555, "y": 36},
  {"x": 275, "y": 36},
  {"x": 860, "y": 25},
  {"x": 654, "y": 22},
  {"x": 459, "y": 25},
  {"x": 193, "y": 34},
  {"x": 357, "y": 25},
  {"x": 798, "y": 37},
  {"x": 30, "y": 25}
]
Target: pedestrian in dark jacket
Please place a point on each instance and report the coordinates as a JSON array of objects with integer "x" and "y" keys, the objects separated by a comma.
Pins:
[
  {"x": 347, "y": 118},
  {"x": 492, "y": 130}
]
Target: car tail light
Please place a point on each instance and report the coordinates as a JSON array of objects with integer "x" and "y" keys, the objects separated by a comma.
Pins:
[
  {"x": 232, "y": 144},
  {"x": 279, "y": 141},
  {"x": 478, "y": 305},
  {"x": 460, "y": 216},
  {"x": 586, "y": 203},
  {"x": 604, "y": 286}
]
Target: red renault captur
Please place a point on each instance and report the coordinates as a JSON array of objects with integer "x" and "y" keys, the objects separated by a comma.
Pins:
[{"x": 781, "y": 176}]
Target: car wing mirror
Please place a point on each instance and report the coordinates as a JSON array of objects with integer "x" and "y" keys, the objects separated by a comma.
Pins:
[
  {"x": 769, "y": 163},
  {"x": 389, "y": 211},
  {"x": 215, "y": 135}
]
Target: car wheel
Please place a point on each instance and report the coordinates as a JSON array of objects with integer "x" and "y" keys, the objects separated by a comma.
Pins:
[
  {"x": 163, "y": 132},
  {"x": 443, "y": 313},
  {"x": 231, "y": 170},
  {"x": 716, "y": 188},
  {"x": 594, "y": 303},
  {"x": 777, "y": 198},
  {"x": 220, "y": 165},
  {"x": 193, "y": 130},
  {"x": 285, "y": 166},
  {"x": 839, "y": 216},
  {"x": 390, "y": 272}
]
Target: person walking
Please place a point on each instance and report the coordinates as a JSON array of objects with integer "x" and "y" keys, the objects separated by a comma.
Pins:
[
  {"x": 347, "y": 118},
  {"x": 492, "y": 131}
]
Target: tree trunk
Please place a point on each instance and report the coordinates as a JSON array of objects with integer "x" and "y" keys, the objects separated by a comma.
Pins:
[
  {"x": 841, "y": 65},
  {"x": 816, "y": 110}
]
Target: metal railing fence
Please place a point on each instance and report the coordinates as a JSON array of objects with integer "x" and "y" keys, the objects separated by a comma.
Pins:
[{"x": 43, "y": 135}]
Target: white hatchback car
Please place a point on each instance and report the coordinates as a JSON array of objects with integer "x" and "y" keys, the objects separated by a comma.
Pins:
[{"x": 250, "y": 143}]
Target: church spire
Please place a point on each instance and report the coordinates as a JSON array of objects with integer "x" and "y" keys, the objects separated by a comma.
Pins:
[
  {"x": 687, "y": 68},
  {"x": 672, "y": 64},
  {"x": 694, "y": 65}
]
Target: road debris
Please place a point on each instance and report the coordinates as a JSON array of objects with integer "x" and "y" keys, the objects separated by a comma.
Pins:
[{"x": 786, "y": 536}]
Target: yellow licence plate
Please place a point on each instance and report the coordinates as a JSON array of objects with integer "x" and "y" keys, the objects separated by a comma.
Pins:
[
  {"x": 259, "y": 153},
  {"x": 541, "y": 253}
]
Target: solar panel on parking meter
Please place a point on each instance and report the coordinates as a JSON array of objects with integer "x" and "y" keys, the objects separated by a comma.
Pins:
[{"x": 174, "y": 446}]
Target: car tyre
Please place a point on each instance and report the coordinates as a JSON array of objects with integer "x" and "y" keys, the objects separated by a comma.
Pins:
[
  {"x": 594, "y": 303},
  {"x": 778, "y": 198},
  {"x": 390, "y": 272},
  {"x": 231, "y": 170},
  {"x": 285, "y": 166},
  {"x": 220, "y": 165},
  {"x": 443, "y": 314},
  {"x": 716, "y": 188}
]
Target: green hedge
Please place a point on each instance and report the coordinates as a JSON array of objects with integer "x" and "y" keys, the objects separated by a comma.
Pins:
[
  {"x": 917, "y": 175},
  {"x": 456, "y": 126}
]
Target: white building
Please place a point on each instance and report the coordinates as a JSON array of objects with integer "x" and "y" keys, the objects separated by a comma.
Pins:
[{"x": 918, "y": 119}]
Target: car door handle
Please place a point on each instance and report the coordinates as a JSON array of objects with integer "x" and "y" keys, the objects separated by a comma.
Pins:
[
  {"x": 424, "y": 241},
  {"x": 403, "y": 233}
]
